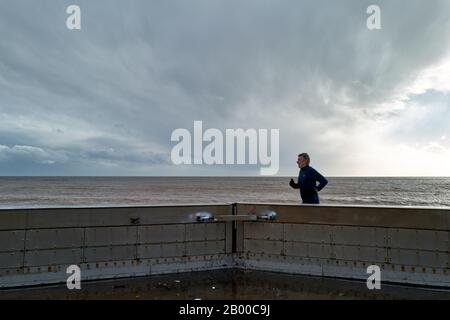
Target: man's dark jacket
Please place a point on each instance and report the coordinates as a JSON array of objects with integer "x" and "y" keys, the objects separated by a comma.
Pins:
[{"x": 307, "y": 183}]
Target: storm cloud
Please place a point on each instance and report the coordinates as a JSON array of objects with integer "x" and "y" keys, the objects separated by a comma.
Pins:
[{"x": 105, "y": 99}]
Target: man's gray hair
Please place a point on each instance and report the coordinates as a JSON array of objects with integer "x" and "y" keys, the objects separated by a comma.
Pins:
[{"x": 305, "y": 156}]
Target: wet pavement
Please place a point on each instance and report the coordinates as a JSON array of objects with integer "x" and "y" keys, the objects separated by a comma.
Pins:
[{"x": 225, "y": 285}]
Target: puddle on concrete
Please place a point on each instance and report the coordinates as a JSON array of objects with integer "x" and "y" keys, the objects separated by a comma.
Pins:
[{"x": 227, "y": 285}]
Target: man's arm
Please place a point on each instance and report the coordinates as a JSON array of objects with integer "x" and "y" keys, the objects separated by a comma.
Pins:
[
  {"x": 321, "y": 179},
  {"x": 293, "y": 184}
]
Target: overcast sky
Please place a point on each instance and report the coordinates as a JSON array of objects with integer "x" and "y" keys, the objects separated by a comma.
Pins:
[{"x": 105, "y": 99}]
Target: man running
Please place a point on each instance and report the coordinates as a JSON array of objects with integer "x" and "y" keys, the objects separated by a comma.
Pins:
[{"x": 307, "y": 180}]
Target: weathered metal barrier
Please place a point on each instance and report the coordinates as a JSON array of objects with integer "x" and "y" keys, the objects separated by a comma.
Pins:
[
  {"x": 410, "y": 245},
  {"x": 37, "y": 245}
]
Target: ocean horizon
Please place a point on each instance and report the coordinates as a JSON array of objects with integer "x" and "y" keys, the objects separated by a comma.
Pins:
[{"x": 101, "y": 191}]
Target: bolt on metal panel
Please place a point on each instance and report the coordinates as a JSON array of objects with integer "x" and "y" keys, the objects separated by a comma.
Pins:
[
  {"x": 359, "y": 236},
  {"x": 297, "y": 249},
  {"x": 151, "y": 251},
  {"x": 433, "y": 240},
  {"x": 434, "y": 259},
  {"x": 265, "y": 263},
  {"x": 371, "y": 255},
  {"x": 11, "y": 260},
  {"x": 110, "y": 253},
  {"x": 108, "y": 236},
  {"x": 37, "y": 258},
  {"x": 162, "y": 250},
  {"x": 54, "y": 238},
  {"x": 308, "y": 233},
  {"x": 403, "y": 257},
  {"x": 403, "y": 238},
  {"x": 348, "y": 253},
  {"x": 162, "y": 233},
  {"x": 324, "y": 251},
  {"x": 173, "y": 249},
  {"x": 263, "y": 231},
  {"x": 205, "y": 231},
  {"x": 12, "y": 240},
  {"x": 205, "y": 247},
  {"x": 263, "y": 246}
]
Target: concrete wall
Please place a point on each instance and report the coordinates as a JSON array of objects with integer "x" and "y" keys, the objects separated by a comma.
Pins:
[
  {"x": 410, "y": 245},
  {"x": 37, "y": 246}
]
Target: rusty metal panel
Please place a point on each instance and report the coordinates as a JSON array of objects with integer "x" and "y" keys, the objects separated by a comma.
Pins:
[
  {"x": 348, "y": 253},
  {"x": 110, "y": 253},
  {"x": 263, "y": 231},
  {"x": 109, "y": 236},
  {"x": 185, "y": 264},
  {"x": 205, "y": 231},
  {"x": 308, "y": 233},
  {"x": 433, "y": 240},
  {"x": 403, "y": 257},
  {"x": 11, "y": 260},
  {"x": 12, "y": 240},
  {"x": 328, "y": 240},
  {"x": 403, "y": 238},
  {"x": 360, "y": 236},
  {"x": 161, "y": 250},
  {"x": 162, "y": 233},
  {"x": 53, "y": 257},
  {"x": 150, "y": 251},
  {"x": 263, "y": 246},
  {"x": 358, "y": 254},
  {"x": 173, "y": 249},
  {"x": 205, "y": 247},
  {"x": 372, "y": 255},
  {"x": 54, "y": 238},
  {"x": 287, "y": 264},
  {"x": 434, "y": 259},
  {"x": 320, "y": 251},
  {"x": 296, "y": 249}
]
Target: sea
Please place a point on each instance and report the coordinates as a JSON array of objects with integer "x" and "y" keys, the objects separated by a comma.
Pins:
[{"x": 50, "y": 192}]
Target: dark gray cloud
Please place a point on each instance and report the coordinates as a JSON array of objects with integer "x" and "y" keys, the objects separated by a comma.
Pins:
[{"x": 105, "y": 99}]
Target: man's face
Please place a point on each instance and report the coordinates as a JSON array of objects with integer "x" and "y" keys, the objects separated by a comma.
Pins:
[{"x": 301, "y": 162}]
